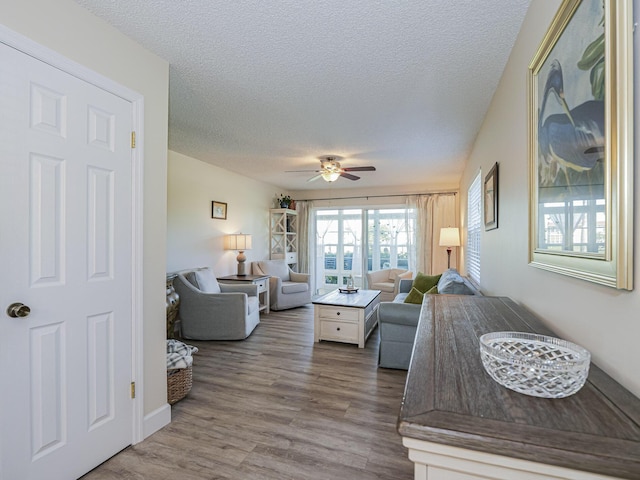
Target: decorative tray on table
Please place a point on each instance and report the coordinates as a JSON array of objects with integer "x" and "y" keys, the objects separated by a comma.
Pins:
[{"x": 348, "y": 290}]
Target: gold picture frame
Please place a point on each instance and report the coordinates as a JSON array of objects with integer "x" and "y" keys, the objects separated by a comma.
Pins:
[
  {"x": 580, "y": 88},
  {"x": 218, "y": 210}
]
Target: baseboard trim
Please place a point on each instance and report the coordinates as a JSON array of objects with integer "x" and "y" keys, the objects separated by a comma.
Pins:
[{"x": 156, "y": 420}]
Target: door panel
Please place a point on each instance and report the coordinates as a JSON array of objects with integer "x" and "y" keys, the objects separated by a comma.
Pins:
[{"x": 66, "y": 252}]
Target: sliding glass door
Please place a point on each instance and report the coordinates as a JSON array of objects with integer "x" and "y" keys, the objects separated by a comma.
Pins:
[
  {"x": 341, "y": 251},
  {"x": 338, "y": 248},
  {"x": 391, "y": 238}
]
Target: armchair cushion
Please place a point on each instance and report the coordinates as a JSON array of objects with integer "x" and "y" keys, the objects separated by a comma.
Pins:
[
  {"x": 206, "y": 281},
  {"x": 294, "y": 287},
  {"x": 382, "y": 286}
]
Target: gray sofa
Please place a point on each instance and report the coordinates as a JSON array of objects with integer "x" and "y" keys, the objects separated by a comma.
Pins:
[{"x": 398, "y": 321}]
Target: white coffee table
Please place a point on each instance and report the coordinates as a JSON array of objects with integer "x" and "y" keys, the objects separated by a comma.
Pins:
[{"x": 345, "y": 317}]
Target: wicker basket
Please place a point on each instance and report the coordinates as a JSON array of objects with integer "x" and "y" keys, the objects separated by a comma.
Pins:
[{"x": 179, "y": 383}]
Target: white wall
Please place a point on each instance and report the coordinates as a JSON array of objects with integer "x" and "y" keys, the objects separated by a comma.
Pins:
[
  {"x": 602, "y": 319},
  {"x": 194, "y": 239},
  {"x": 72, "y": 31}
]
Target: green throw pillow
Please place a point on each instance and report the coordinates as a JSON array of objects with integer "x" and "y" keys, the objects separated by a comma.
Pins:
[
  {"x": 414, "y": 296},
  {"x": 423, "y": 282},
  {"x": 433, "y": 289}
]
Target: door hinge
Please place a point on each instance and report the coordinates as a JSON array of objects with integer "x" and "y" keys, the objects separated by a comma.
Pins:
[
  {"x": 133, "y": 139},
  {"x": 133, "y": 389}
]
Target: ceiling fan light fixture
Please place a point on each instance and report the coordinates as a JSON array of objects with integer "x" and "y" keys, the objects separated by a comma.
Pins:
[{"x": 330, "y": 176}]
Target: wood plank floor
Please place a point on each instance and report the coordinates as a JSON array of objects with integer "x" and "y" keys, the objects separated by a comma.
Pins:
[{"x": 278, "y": 406}]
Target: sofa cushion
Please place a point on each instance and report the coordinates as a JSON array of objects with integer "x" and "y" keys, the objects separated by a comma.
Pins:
[
  {"x": 414, "y": 296},
  {"x": 207, "y": 281},
  {"x": 433, "y": 290},
  {"x": 423, "y": 282},
  {"x": 452, "y": 282},
  {"x": 400, "y": 298},
  {"x": 294, "y": 287}
]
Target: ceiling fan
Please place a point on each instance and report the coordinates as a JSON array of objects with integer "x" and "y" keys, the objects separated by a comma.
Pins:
[{"x": 330, "y": 170}]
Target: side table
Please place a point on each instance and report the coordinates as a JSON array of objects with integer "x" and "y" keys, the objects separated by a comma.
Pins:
[{"x": 262, "y": 281}]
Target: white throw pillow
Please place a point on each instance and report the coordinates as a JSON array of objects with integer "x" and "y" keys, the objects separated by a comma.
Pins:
[{"x": 207, "y": 281}]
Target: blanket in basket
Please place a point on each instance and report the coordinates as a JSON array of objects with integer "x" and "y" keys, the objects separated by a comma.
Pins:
[{"x": 179, "y": 354}]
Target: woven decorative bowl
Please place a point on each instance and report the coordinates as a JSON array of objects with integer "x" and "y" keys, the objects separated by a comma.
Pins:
[{"x": 536, "y": 365}]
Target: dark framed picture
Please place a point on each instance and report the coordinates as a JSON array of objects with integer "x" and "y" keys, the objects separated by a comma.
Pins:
[
  {"x": 491, "y": 199},
  {"x": 218, "y": 210},
  {"x": 580, "y": 89}
]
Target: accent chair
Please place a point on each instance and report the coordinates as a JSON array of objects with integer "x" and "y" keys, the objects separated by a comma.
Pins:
[
  {"x": 287, "y": 289},
  {"x": 215, "y": 311},
  {"x": 387, "y": 281}
]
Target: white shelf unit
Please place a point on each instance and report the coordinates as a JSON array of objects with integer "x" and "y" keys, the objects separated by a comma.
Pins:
[{"x": 283, "y": 235}]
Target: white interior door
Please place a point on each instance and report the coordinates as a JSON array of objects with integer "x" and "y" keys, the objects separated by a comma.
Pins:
[{"x": 66, "y": 253}]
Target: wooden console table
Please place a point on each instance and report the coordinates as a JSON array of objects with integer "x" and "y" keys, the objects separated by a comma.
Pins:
[{"x": 457, "y": 422}]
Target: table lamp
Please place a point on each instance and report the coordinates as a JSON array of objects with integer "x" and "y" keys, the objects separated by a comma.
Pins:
[{"x": 240, "y": 242}]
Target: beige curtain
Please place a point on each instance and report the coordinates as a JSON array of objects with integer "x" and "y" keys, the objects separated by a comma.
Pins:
[
  {"x": 433, "y": 212},
  {"x": 303, "y": 207}
]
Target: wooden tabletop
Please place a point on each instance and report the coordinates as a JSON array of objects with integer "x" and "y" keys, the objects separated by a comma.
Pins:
[
  {"x": 359, "y": 299},
  {"x": 450, "y": 399},
  {"x": 242, "y": 278}
]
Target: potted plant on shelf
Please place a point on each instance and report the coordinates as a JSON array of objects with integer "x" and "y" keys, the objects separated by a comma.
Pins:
[{"x": 285, "y": 201}]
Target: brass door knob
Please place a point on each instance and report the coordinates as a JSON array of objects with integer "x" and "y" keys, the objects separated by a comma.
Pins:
[{"x": 18, "y": 310}]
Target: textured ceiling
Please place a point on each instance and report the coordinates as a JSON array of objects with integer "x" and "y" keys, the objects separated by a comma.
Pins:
[{"x": 260, "y": 87}]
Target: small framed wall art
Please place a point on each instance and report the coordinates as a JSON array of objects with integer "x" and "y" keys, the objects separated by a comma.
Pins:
[
  {"x": 218, "y": 210},
  {"x": 491, "y": 199}
]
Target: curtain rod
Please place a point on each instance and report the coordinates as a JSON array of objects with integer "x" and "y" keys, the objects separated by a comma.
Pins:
[{"x": 379, "y": 196}]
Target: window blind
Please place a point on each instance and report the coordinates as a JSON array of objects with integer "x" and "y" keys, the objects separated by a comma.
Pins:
[{"x": 474, "y": 225}]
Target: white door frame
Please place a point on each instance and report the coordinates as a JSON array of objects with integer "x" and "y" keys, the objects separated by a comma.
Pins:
[{"x": 50, "y": 57}]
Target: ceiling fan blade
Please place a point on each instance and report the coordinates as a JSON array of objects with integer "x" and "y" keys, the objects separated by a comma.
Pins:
[
  {"x": 314, "y": 178},
  {"x": 359, "y": 169},
  {"x": 349, "y": 176},
  {"x": 299, "y": 171}
]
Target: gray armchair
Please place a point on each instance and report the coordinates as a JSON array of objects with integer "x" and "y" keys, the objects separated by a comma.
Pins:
[
  {"x": 215, "y": 311},
  {"x": 287, "y": 289}
]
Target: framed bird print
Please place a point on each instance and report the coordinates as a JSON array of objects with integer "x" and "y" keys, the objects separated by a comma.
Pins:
[
  {"x": 218, "y": 210},
  {"x": 580, "y": 89}
]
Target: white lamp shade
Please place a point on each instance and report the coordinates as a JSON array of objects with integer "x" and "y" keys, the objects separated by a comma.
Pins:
[
  {"x": 237, "y": 241},
  {"x": 450, "y": 237}
]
